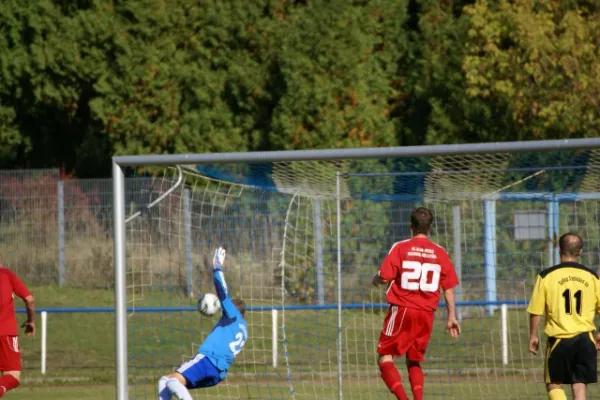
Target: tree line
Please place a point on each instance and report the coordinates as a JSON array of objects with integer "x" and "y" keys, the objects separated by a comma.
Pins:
[{"x": 81, "y": 80}]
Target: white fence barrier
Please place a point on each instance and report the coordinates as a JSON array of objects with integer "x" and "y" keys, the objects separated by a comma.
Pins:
[
  {"x": 44, "y": 331},
  {"x": 275, "y": 336}
]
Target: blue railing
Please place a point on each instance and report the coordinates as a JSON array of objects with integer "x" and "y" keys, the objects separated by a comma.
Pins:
[{"x": 346, "y": 306}]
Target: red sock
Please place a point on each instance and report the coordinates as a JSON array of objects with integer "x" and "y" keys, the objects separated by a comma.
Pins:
[
  {"x": 7, "y": 382},
  {"x": 415, "y": 375},
  {"x": 392, "y": 379}
]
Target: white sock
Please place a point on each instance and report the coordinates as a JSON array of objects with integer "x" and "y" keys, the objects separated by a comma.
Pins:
[
  {"x": 163, "y": 392},
  {"x": 178, "y": 389}
]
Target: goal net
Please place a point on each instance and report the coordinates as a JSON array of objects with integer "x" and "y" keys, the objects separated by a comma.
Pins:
[{"x": 304, "y": 239}]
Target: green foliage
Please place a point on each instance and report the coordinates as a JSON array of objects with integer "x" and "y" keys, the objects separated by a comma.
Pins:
[
  {"x": 48, "y": 65},
  {"x": 10, "y": 137},
  {"x": 438, "y": 109},
  {"x": 82, "y": 80},
  {"x": 167, "y": 89},
  {"x": 338, "y": 69},
  {"x": 542, "y": 58}
]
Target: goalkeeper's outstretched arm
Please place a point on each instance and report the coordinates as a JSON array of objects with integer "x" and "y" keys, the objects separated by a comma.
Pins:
[{"x": 220, "y": 285}]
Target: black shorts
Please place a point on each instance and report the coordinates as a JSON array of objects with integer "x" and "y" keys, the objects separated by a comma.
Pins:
[{"x": 571, "y": 360}]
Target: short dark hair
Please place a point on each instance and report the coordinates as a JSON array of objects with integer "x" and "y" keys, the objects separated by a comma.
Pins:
[
  {"x": 570, "y": 244},
  {"x": 240, "y": 305},
  {"x": 420, "y": 220}
]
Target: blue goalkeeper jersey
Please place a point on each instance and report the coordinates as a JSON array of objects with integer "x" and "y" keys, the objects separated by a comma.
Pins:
[{"x": 229, "y": 335}]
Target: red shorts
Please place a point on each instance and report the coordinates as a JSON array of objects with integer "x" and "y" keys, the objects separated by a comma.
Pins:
[
  {"x": 10, "y": 355},
  {"x": 405, "y": 331}
]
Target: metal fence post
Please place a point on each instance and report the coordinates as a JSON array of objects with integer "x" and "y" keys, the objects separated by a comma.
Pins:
[
  {"x": 556, "y": 224},
  {"x": 187, "y": 223},
  {"x": 318, "y": 229},
  {"x": 489, "y": 248},
  {"x": 61, "y": 233},
  {"x": 457, "y": 256}
]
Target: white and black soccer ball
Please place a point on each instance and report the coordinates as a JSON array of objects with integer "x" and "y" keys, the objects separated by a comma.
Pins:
[{"x": 209, "y": 304}]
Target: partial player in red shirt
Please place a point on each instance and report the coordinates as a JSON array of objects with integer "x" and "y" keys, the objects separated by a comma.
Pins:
[
  {"x": 10, "y": 355},
  {"x": 415, "y": 270}
]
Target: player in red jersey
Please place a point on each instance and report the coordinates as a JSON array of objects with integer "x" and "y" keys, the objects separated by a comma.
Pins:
[
  {"x": 10, "y": 356},
  {"x": 415, "y": 270}
]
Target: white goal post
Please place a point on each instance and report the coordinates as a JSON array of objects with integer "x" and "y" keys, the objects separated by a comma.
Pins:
[{"x": 439, "y": 188}]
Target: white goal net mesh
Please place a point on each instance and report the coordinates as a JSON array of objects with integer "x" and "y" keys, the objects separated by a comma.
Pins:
[{"x": 498, "y": 215}]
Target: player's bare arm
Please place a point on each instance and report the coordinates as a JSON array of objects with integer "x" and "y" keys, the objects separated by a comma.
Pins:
[
  {"x": 29, "y": 325},
  {"x": 534, "y": 340},
  {"x": 377, "y": 280},
  {"x": 452, "y": 325}
]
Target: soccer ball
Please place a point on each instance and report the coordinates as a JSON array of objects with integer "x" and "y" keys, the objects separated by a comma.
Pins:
[{"x": 209, "y": 304}]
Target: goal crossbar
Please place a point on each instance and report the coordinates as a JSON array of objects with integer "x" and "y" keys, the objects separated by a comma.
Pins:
[{"x": 361, "y": 153}]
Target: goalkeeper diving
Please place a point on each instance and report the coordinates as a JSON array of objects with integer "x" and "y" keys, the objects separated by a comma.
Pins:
[{"x": 218, "y": 351}]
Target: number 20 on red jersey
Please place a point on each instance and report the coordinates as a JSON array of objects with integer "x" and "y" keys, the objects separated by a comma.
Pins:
[{"x": 420, "y": 276}]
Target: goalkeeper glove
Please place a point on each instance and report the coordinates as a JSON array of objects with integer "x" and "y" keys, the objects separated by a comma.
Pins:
[{"x": 219, "y": 258}]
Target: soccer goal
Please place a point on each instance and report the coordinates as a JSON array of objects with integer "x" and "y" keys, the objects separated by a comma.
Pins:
[{"x": 305, "y": 232}]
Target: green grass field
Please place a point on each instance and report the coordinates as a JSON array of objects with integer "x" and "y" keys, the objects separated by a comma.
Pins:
[
  {"x": 80, "y": 363},
  {"x": 466, "y": 391}
]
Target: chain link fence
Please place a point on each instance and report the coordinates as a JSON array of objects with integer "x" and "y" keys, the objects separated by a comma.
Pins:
[
  {"x": 59, "y": 232},
  {"x": 57, "y": 236}
]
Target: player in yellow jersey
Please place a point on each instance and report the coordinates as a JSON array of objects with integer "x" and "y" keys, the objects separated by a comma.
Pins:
[{"x": 568, "y": 294}]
